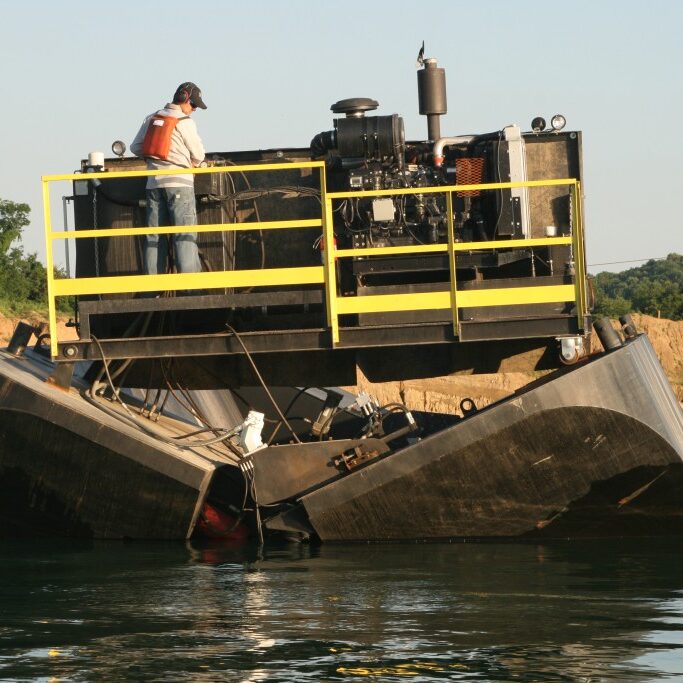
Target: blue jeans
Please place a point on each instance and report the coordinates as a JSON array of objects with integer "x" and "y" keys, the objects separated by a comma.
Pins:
[{"x": 171, "y": 206}]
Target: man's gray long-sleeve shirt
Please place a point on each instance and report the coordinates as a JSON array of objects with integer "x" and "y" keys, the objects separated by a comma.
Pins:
[{"x": 185, "y": 151}]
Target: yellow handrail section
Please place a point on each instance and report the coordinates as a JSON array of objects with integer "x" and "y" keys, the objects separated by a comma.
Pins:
[{"x": 325, "y": 274}]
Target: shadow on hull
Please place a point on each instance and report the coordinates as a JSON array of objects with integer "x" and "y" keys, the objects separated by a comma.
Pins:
[{"x": 594, "y": 451}]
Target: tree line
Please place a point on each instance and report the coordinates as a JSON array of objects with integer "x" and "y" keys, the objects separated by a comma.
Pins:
[
  {"x": 655, "y": 288},
  {"x": 22, "y": 276}
]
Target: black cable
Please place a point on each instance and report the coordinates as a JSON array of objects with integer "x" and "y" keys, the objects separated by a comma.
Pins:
[
  {"x": 259, "y": 525},
  {"x": 127, "y": 332},
  {"x": 263, "y": 384},
  {"x": 327, "y": 425},
  {"x": 181, "y": 403},
  {"x": 258, "y": 220},
  {"x": 198, "y": 431},
  {"x": 251, "y": 194},
  {"x": 237, "y": 395},
  {"x": 130, "y": 417},
  {"x": 500, "y": 191},
  {"x": 299, "y": 393},
  {"x": 194, "y": 410},
  {"x": 400, "y": 406}
]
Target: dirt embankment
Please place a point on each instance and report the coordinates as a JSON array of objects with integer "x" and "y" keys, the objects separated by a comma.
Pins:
[
  {"x": 7, "y": 326},
  {"x": 444, "y": 394}
]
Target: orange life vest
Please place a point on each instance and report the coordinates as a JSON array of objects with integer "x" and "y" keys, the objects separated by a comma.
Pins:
[{"x": 157, "y": 140}]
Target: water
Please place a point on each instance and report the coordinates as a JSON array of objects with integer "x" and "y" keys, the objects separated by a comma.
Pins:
[{"x": 589, "y": 611}]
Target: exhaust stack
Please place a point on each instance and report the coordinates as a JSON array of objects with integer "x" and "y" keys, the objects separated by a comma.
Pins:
[{"x": 431, "y": 92}]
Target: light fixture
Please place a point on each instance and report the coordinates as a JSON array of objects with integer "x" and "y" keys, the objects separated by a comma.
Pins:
[
  {"x": 538, "y": 124},
  {"x": 558, "y": 122},
  {"x": 119, "y": 148}
]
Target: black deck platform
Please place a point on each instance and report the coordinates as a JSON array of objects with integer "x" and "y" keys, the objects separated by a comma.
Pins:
[{"x": 291, "y": 325}]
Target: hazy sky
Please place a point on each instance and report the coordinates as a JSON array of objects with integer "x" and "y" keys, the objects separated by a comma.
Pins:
[{"x": 78, "y": 75}]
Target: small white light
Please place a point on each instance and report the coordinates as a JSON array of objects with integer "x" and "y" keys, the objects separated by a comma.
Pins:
[
  {"x": 118, "y": 147},
  {"x": 558, "y": 122}
]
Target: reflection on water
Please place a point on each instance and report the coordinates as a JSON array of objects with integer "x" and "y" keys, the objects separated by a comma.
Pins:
[{"x": 589, "y": 611}]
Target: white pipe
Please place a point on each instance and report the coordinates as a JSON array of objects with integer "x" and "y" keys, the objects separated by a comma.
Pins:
[{"x": 446, "y": 142}]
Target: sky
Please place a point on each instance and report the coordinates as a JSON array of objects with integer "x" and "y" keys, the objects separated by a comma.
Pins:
[{"x": 78, "y": 75}]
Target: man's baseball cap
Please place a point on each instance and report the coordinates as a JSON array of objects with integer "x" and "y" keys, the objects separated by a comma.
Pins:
[{"x": 189, "y": 92}]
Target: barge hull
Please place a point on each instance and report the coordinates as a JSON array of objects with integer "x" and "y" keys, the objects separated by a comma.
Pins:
[
  {"x": 69, "y": 470},
  {"x": 594, "y": 451}
]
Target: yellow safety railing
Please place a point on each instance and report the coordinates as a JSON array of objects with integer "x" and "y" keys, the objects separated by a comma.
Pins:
[
  {"x": 456, "y": 298},
  {"x": 120, "y": 284},
  {"x": 326, "y": 273}
]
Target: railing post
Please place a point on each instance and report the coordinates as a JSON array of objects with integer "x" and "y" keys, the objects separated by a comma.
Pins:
[
  {"x": 329, "y": 260},
  {"x": 579, "y": 261},
  {"x": 451, "y": 262},
  {"x": 49, "y": 267}
]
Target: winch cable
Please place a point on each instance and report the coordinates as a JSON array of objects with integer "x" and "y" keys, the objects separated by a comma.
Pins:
[
  {"x": 173, "y": 441},
  {"x": 250, "y": 194},
  {"x": 258, "y": 219},
  {"x": 167, "y": 373},
  {"x": 189, "y": 403},
  {"x": 263, "y": 384},
  {"x": 91, "y": 395},
  {"x": 181, "y": 402},
  {"x": 146, "y": 319},
  {"x": 394, "y": 408},
  {"x": 257, "y": 510},
  {"x": 388, "y": 408},
  {"x": 235, "y": 393},
  {"x": 298, "y": 395},
  {"x": 145, "y": 403},
  {"x": 239, "y": 396},
  {"x": 326, "y": 426},
  {"x": 194, "y": 410}
]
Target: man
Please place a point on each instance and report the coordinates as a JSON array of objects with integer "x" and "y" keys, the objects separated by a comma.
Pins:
[{"x": 168, "y": 139}]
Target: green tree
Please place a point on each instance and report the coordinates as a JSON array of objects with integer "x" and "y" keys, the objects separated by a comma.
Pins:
[
  {"x": 611, "y": 307},
  {"x": 655, "y": 288},
  {"x": 13, "y": 219},
  {"x": 659, "y": 298},
  {"x": 23, "y": 278}
]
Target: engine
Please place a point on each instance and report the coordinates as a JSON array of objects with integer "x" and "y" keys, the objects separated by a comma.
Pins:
[
  {"x": 366, "y": 152},
  {"x": 370, "y": 153}
]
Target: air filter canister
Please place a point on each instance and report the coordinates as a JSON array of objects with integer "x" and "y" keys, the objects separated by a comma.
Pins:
[{"x": 371, "y": 137}]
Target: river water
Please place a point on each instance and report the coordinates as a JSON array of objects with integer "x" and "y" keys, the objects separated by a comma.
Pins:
[{"x": 588, "y": 611}]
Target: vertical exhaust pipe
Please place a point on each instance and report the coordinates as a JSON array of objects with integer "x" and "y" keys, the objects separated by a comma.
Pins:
[{"x": 431, "y": 92}]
